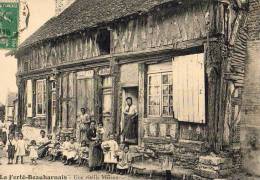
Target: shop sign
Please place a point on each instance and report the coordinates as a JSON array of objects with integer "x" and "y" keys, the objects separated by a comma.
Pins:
[
  {"x": 85, "y": 74},
  {"x": 104, "y": 72}
]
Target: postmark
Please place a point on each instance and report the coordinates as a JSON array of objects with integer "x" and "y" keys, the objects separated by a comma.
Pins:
[{"x": 9, "y": 19}]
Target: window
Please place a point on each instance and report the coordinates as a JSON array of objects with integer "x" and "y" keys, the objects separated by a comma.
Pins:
[
  {"x": 160, "y": 99},
  {"x": 40, "y": 97},
  {"x": 103, "y": 41}
]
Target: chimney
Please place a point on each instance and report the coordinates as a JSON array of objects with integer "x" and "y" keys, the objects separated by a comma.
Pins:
[{"x": 61, "y": 5}]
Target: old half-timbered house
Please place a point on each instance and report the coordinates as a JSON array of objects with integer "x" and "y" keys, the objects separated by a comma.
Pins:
[{"x": 175, "y": 58}]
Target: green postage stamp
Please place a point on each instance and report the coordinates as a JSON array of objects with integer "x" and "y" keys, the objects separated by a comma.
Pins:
[{"x": 9, "y": 19}]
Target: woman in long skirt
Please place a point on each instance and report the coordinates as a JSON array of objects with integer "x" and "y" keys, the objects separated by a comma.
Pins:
[
  {"x": 130, "y": 115},
  {"x": 95, "y": 151}
]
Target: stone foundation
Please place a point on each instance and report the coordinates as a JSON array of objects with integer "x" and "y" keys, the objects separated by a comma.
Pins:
[{"x": 213, "y": 167}]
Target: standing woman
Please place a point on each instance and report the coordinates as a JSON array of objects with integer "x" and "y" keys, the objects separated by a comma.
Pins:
[
  {"x": 130, "y": 115},
  {"x": 82, "y": 125},
  {"x": 95, "y": 151}
]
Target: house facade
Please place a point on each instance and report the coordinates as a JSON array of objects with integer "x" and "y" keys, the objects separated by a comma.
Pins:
[
  {"x": 177, "y": 60},
  {"x": 9, "y": 106}
]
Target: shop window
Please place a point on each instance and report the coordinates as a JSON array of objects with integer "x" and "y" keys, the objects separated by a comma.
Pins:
[
  {"x": 40, "y": 97},
  {"x": 103, "y": 41}
]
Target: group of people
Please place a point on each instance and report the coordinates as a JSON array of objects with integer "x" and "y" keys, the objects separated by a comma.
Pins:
[{"x": 87, "y": 148}]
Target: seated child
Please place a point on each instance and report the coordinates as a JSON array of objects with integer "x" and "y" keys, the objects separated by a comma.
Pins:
[
  {"x": 124, "y": 163},
  {"x": 71, "y": 152},
  {"x": 55, "y": 152},
  {"x": 33, "y": 152},
  {"x": 83, "y": 153},
  {"x": 110, "y": 147},
  {"x": 65, "y": 148},
  {"x": 100, "y": 131},
  {"x": 52, "y": 147}
]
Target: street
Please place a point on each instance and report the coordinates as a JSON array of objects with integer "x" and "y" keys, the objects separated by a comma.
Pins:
[{"x": 54, "y": 170}]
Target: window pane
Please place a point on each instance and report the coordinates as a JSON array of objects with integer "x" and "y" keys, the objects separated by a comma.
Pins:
[
  {"x": 165, "y": 110},
  {"x": 170, "y": 100},
  {"x": 154, "y": 80},
  {"x": 165, "y": 90},
  {"x": 165, "y": 100},
  {"x": 154, "y": 110},
  {"x": 154, "y": 100},
  {"x": 170, "y": 90},
  {"x": 170, "y": 78},
  {"x": 165, "y": 79},
  {"x": 171, "y": 110}
]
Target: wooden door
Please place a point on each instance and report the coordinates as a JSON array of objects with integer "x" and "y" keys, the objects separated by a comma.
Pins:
[{"x": 68, "y": 100}]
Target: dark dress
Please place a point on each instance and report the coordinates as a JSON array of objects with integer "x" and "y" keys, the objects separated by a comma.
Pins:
[
  {"x": 10, "y": 150},
  {"x": 95, "y": 151}
]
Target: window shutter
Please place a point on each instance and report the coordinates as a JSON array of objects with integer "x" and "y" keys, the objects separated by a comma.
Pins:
[
  {"x": 29, "y": 98},
  {"x": 189, "y": 88}
]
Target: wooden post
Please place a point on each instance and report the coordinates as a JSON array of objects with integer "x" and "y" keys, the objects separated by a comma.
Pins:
[
  {"x": 19, "y": 83},
  {"x": 115, "y": 79},
  {"x": 141, "y": 100},
  {"x": 98, "y": 96},
  {"x": 215, "y": 68}
]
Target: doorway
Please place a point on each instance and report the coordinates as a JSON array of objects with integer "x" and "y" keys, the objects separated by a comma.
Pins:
[{"x": 131, "y": 92}]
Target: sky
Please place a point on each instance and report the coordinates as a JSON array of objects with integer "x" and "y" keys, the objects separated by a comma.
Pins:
[{"x": 40, "y": 12}]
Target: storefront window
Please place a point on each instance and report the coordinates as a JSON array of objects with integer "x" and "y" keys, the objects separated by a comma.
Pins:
[
  {"x": 40, "y": 97},
  {"x": 160, "y": 94}
]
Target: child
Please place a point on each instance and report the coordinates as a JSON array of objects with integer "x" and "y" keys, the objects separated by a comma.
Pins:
[
  {"x": 52, "y": 151},
  {"x": 110, "y": 148},
  {"x": 55, "y": 152},
  {"x": 20, "y": 148},
  {"x": 124, "y": 163},
  {"x": 83, "y": 153},
  {"x": 72, "y": 152},
  {"x": 65, "y": 148},
  {"x": 100, "y": 131},
  {"x": 1, "y": 149},
  {"x": 33, "y": 152},
  {"x": 10, "y": 148}
]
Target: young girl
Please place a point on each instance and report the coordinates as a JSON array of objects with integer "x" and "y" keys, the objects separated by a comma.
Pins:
[
  {"x": 124, "y": 163},
  {"x": 33, "y": 152},
  {"x": 1, "y": 149},
  {"x": 100, "y": 131},
  {"x": 83, "y": 153},
  {"x": 20, "y": 148},
  {"x": 65, "y": 148},
  {"x": 10, "y": 148},
  {"x": 72, "y": 152},
  {"x": 55, "y": 153},
  {"x": 110, "y": 148}
]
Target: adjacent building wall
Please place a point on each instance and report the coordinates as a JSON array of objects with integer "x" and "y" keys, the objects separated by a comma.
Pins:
[{"x": 250, "y": 122}]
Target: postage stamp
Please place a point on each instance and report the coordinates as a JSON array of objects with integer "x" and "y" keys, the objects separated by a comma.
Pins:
[{"x": 9, "y": 19}]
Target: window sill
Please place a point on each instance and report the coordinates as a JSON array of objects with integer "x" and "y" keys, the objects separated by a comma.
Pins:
[
  {"x": 159, "y": 140},
  {"x": 40, "y": 116}
]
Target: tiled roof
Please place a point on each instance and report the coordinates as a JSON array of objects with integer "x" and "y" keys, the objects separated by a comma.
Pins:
[{"x": 85, "y": 14}]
